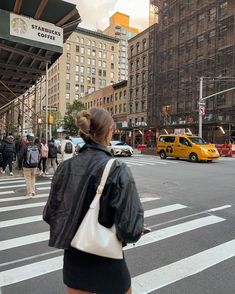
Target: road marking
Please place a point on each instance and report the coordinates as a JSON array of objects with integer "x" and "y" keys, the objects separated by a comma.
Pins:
[
  {"x": 7, "y": 192},
  {"x": 219, "y": 208},
  {"x": 20, "y": 221},
  {"x": 171, "y": 273},
  {"x": 21, "y": 241},
  {"x": 30, "y": 271},
  {"x": 22, "y": 206},
  {"x": 43, "y": 188},
  {"x": 176, "y": 230},
  {"x": 22, "y": 197},
  {"x": 23, "y": 185},
  {"x": 134, "y": 163},
  {"x": 140, "y": 162},
  {"x": 12, "y": 182},
  {"x": 30, "y": 257},
  {"x": 164, "y": 209},
  {"x": 147, "y": 199},
  {"x": 30, "y": 219}
]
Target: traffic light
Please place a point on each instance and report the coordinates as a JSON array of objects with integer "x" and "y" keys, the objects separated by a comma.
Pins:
[{"x": 50, "y": 119}]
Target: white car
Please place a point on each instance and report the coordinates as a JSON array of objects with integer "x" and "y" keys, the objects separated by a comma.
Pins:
[{"x": 120, "y": 148}]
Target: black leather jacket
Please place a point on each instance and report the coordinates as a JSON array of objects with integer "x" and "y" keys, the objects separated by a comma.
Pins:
[{"x": 74, "y": 187}]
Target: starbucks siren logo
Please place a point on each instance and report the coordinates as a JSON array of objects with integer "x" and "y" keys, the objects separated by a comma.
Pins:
[{"x": 19, "y": 25}]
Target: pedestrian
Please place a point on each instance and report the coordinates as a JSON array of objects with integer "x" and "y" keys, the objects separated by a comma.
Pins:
[
  {"x": 43, "y": 157},
  {"x": 73, "y": 188},
  {"x": 18, "y": 145},
  {"x": 67, "y": 149},
  {"x": 31, "y": 156},
  {"x": 52, "y": 155},
  {"x": 7, "y": 150}
]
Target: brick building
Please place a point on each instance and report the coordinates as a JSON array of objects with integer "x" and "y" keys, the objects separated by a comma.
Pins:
[{"x": 193, "y": 38}]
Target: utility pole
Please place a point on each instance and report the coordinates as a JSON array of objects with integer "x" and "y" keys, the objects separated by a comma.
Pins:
[
  {"x": 199, "y": 107},
  {"x": 46, "y": 102}
]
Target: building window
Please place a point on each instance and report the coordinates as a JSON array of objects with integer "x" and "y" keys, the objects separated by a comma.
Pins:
[
  {"x": 78, "y": 39},
  {"x": 200, "y": 41},
  {"x": 93, "y": 71},
  {"x": 112, "y": 65},
  {"x": 89, "y": 42},
  {"x": 88, "y": 51},
  {"x": 212, "y": 14},
  {"x": 68, "y": 46},
  {"x": 82, "y": 79},
  {"x": 76, "y": 78},
  {"x": 76, "y": 68},
  {"x": 144, "y": 44},
  {"x": 81, "y": 69},
  {"x": 100, "y": 72},
  {"x": 93, "y": 81},
  {"x": 67, "y": 66},
  {"x": 67, "y": 87},
  {"x": 93, "y": 43},
  {"x": 99, "y": 63},
  {"x": 93, "y": 52},
  {"x": 82, "y": 59},
  {"x": 93, "y": 62},
  {"x": 223, "y": 8},
  {"x": 77, "y": 49},
  {"x": 82, "y": 40},
  {"x": 67, "y": 76},
  {"x": 88, "y": 70},
  {"x": 104, "y": 64},
  {"x": 111, "y": 75},
  {"x": 77, "y": 58},
  {"x": 104, "y": 55},
  {"x": 82, "y": 50},
  {"x": 132, "y": 50},
  {"x": 68, "y": 56}
]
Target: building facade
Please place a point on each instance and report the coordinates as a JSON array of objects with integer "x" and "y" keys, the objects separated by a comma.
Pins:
[
  {"x": 193, "y": 39},
  {"x": 113, "y": 98},
  {"x": 89, "y": 63},
  {"x": 138, "y": 56},
  {"x": 119, "y": 27}
]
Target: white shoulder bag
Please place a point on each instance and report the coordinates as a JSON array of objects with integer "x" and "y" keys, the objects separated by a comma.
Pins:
[{"x": 91, "y": 236}]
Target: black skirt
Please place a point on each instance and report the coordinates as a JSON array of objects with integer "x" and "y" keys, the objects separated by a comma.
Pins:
[{"x": 96, "y": 274}]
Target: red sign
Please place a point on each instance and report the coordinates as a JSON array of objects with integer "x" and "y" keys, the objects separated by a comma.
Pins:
[{"x": 202, "y": 110}]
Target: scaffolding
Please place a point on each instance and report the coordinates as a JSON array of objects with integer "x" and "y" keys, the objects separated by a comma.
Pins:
[{"x": 192, "y": 39}]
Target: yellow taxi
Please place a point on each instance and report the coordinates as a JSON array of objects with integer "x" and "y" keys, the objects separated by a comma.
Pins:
[{"x": 190, "y": 147}]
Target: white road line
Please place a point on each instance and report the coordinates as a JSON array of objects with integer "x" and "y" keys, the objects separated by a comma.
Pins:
[
  {"x": 147, "y": 199},
  {"x": 22, "y": 206},
  {"x": 219, "y": 208},
  {"x": 142, "y": 284},
  {"x": 7, "y": 192},
  {"x": 30, "y": 219},
  {"x": 23, "y": 185},
  {"x": 12, "y": 182},
  {"x": 176, "y": 230},
  {"x": 135, "y": 163},
  {"x": 20, "y": 221},
  {"x": 21, "y": 241},
  {"x": 43, "y": 188},
  {"x": 140, "y": 162},
  {"x": 146, "y": 239},
  {"x": 171, "y": 273},
  {"x": 164, "y": 209},
  {"x": 22, "y": 197},
  {"x": 30, "y": 271}
]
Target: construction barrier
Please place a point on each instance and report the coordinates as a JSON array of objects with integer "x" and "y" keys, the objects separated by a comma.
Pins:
[
  {"x": 225, "y": 150},
  {"x": 141, "y": 147}
]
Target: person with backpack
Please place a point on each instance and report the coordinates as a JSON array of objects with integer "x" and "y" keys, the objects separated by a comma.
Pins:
[
  {"x": 7, "y": 150},
  {"x": 31, "y": 157},
  {"x": 43, "y": 157},
  {"x": 67, "y": 149},
  {"x": 52, "y": 155}
]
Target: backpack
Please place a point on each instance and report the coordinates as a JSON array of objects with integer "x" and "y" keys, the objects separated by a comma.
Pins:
[
  {"x": 53, "y": 151},
  {"x": 44, "y": 150},
  {"x": 32, "y": 156},
  {"x": 68, "y": 148}
]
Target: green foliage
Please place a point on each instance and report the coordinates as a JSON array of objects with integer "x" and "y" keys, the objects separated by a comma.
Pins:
[{"x": 69, "y": 118}]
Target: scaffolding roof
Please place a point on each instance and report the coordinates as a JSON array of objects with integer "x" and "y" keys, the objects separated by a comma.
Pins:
[{"x": 23, "y": 59}]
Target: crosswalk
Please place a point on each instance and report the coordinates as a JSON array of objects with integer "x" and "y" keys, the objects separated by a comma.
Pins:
[
  {"x": 25, "y": 255},
  {"x": 141, "y": 160}
]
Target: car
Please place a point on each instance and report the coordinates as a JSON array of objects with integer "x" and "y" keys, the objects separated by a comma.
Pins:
[
  {"x": 120, "y": 148},
  {"x": 78, "y": 142},
  {"x": 193, "y": 148}
]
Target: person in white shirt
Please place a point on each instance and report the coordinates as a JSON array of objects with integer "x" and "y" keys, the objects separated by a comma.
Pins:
[{"x": 67, "y": 149}]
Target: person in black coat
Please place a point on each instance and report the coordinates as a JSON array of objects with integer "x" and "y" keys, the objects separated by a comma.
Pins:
[
  {"x": 73, "y": 189},
  {"x": 7, "y": 150}
]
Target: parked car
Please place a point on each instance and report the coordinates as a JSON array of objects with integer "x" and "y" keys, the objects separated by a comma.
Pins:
[
  {"x": 78, "y": 142},
  {"x": 120, "y": 148}
]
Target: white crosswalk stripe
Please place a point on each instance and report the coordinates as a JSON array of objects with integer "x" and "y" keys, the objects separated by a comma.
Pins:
[{"x": 145, "y": 282}]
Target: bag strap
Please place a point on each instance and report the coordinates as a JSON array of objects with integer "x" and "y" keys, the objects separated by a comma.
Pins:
[{"x": 104, "y": 176}]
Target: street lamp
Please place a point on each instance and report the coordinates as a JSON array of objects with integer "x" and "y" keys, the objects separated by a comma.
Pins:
[{"x": 201, "y": 102}]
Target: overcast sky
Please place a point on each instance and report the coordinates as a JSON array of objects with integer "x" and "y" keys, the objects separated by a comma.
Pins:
[{"x": 95, "y": 13}]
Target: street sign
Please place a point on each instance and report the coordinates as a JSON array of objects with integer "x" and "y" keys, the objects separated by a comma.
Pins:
[
  {"x": 49, "y": 108},
  {"x": 202, "y": 110}
]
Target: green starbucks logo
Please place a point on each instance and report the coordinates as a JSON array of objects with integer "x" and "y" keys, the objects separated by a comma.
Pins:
[{"x": 19, "y": 26}]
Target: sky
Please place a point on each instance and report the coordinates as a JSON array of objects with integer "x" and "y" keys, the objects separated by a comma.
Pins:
[{"x": 95, "y": 13}]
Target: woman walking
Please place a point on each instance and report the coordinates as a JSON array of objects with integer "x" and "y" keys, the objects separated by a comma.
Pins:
[{"x": 73, "y": 188}]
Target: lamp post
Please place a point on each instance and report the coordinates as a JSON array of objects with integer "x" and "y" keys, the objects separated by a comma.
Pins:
[{"x": 201, "y": 102}]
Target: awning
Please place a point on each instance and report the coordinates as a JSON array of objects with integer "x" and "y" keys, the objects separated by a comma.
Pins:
[{"x": 31, "y": 35}]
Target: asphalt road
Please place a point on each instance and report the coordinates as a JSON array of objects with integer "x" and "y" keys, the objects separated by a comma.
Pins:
[{"x": 191, "y": 249}]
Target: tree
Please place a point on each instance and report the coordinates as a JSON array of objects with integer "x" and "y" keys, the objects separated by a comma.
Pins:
[{"x": 69, "y": 118}]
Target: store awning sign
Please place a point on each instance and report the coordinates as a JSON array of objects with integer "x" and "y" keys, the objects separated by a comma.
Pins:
[{"x": 40, "y": 31}]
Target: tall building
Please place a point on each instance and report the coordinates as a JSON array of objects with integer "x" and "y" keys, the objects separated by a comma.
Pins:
[
  {"x": 193, "y": 39},
  {"x": 119, "y": 27},
  {"x": 89, "y": 63},
  {"x": 138, "y": 56}
]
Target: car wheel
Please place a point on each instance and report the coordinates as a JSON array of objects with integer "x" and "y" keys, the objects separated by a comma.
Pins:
[
  {"x": 209, "y": 160},
  {"x": 193, "y": 157},
  {"x": 162, "y": 154}
]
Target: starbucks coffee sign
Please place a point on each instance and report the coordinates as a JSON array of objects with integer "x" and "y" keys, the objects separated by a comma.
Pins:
[{"x": 40, "y": 31}]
